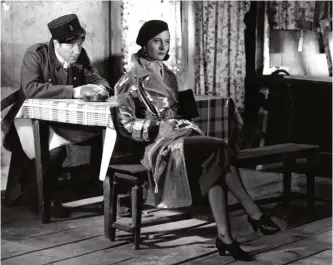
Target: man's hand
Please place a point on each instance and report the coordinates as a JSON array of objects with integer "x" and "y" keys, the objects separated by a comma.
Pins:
[{"x": 91, "y": 92}]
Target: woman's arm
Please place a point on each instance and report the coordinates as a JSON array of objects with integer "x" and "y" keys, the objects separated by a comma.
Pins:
[{"x": 142, "y": 130}]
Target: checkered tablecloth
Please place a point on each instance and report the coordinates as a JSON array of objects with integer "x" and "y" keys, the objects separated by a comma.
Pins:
[
  {"x": 218, "y": 117},
  {"x": 72, "y": 111}
]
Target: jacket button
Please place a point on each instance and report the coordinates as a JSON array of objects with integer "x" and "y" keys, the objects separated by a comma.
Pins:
[
  {"x": 50, "y": 80},
  {"x": 74, "y": 78}
]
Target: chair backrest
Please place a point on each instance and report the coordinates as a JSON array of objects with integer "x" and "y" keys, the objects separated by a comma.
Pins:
[
  {"x": 9, "y": 100},
  {"x": 118, "y": 125},
  {"x": 126, "y": 149}
]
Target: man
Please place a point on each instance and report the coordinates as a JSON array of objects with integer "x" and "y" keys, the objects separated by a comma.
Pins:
[{"x": 59, "y": 69}]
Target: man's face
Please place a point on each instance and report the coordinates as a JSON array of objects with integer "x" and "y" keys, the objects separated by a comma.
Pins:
[
  {"x": 158, "y": 46},
  {"x": 70, "y": 52}
]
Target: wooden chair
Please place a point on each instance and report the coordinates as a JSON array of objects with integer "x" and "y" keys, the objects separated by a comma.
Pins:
[
  {"x": 135, "y": 175},
  {"x": 15, "y": 172}
]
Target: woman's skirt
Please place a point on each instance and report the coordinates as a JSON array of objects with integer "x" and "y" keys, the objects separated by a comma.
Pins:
[{"x": 200, "y": 152}]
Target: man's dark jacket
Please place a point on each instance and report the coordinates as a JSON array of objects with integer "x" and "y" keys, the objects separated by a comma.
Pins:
[{"x": 42, "y": 76}]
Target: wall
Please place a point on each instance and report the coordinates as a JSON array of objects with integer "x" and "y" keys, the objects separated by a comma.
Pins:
[{"x": 25, "y": 23}]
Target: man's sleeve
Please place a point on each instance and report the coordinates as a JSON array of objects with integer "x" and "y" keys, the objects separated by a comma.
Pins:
[
  {"x": 33, "y": 83},
  {"x": 91, "y": 75}
]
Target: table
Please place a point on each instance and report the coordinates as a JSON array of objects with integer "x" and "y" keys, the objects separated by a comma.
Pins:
[
  {"x": 32, "y": 120},
  {"x": 73, "y": 111}
]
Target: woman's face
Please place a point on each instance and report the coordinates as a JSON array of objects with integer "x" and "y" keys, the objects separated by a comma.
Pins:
[{"x": 158, "y": 46}]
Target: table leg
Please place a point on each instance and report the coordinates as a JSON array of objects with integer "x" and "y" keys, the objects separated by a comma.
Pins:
[
  {"x": 41, "y": 137},
  {"x": 108, "y": 146}
]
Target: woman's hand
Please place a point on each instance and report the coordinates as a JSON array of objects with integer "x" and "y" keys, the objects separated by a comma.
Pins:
[{"x": 172, "y": 122}]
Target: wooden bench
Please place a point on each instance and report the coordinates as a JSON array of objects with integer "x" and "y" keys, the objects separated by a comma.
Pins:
[{"x": 287, "y": 153}]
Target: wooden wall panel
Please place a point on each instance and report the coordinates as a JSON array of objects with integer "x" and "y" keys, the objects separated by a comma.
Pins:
[{"x": 25, "y": 23}]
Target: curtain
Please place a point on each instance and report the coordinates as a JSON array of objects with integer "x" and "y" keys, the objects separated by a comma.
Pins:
[
  {"x": 220, "y": 49},
  {"x": 293, "y": 15},
  {"x": 135, "y": 12},
  {"x": 326, "y": 30}
]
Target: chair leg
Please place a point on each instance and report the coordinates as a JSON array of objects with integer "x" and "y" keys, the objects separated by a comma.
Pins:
[
  {"x": 113, "y": 208},
  {"x": 109, "y": 216},
  {"x": 14, "y": 188},
  {"x": 310, "y": 184},
  {"x": 286, "y": 181},
  {"x": 137, "y": 197}
]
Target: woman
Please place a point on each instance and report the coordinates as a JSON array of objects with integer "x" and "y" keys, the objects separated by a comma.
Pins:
[{"x": 185, "y": 164}]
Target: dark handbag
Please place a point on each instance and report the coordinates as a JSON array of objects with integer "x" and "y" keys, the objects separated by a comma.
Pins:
[{"x": 187, "y": 107}]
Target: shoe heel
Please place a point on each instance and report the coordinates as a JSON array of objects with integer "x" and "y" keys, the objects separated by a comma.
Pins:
[
  {"x": 233, "y": 249},
  {"x": 264, "y": 224},
  {"x": 220, "y": 247},
  {"x": 254, "y": 227},
  {"x": 222, "y": 252}
]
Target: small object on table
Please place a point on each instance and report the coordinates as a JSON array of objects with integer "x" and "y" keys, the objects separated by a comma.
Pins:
[{"x": 96, "y": 93}]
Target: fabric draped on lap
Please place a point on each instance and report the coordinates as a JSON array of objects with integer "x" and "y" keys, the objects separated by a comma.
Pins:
[
  {"x": 164, "y": 158},
  {"x": 207, "y": 161}
]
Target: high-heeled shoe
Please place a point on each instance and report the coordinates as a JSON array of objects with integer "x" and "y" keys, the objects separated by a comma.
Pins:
[
  {"x": 234, "y": 249},
  {"x": 264, "y": 224}
]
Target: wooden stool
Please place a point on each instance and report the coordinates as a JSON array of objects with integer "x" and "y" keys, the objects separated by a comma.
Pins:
[{"x": 136, "y": 174}]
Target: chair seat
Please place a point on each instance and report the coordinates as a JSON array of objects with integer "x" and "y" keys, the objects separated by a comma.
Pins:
[{"x": 129, "y": 168}]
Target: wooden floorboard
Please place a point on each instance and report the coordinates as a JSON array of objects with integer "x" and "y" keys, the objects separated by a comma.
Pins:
[
  {"x": 86, "y": 249},
  {"x": 20, "y": 232},
  {"x": 321, "y": 258},
  {"x": 54, "y": 237},
  {"x": 63, "y": 252},
  {"x": 50, "y": 240},
  {"x": 264, "y": 247},
  {"x": 174, "y": 242},
  {"x": 296, "y": 250},
  {"x": 168, "y": 238}
]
